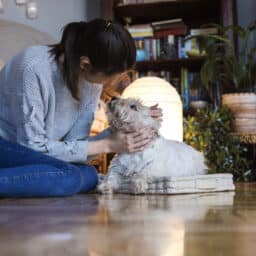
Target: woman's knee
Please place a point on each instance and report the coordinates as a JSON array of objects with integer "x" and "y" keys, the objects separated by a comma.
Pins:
[
  {"x": 89, "y": 177},
  {"x": 56, "y": 181},
  {"x": 70, "y": 183}
]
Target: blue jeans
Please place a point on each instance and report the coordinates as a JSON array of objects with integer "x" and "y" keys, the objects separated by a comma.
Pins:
[{"x": 28, "y": 173}]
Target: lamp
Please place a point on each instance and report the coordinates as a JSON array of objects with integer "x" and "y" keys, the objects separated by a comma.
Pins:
[
  {"x": 32, "y": 10},
  {"x": 152, "y": 90}
]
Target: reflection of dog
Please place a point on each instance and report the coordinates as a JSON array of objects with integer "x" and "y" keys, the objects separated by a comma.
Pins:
[{"x": 161, "y": 158}]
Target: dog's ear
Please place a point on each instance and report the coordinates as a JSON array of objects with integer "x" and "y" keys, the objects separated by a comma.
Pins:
[{"x": 151, "y": 121}]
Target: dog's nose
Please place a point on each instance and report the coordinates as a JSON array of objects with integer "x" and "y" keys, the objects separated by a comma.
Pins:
[
  {"x": 111, "y": 103},
  {"x": 113, "y": 98}
]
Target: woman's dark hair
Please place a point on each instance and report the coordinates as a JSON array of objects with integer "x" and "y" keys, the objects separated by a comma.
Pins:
[{"x": 109, "y": 47}]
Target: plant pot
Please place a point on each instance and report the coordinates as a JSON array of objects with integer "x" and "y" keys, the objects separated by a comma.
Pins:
[{"x": 243, "y": 106}]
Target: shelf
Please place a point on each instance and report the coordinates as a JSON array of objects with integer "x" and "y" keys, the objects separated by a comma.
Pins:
[
  {"x": 156, "y": 65},
  {"x": 248, "y": 138},
  {"x": 190, "y": 11}
]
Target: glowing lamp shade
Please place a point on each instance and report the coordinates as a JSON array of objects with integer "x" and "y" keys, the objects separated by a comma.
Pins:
[{"x": 152, "y": 90}]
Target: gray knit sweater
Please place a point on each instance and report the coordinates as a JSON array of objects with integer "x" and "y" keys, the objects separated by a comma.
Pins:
[{"x": 38, "y": 111}]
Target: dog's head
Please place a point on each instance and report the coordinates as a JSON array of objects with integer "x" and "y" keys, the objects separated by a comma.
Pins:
[{"x": 123, "y": 113}]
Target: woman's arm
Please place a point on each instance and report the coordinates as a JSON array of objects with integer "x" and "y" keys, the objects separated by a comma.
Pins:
[{"x": 31, "y": 121}]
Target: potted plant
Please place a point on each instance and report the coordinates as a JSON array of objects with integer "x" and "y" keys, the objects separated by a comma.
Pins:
[
  {"x": 242, "y": 102},
  {"x": 210, "y": 132},
  {"x": 225, "y": 71},
  {"x": 212, "y": 74}
]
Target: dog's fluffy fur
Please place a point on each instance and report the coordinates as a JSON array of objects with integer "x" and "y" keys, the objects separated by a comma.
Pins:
[{"x": 161, "y": 158}]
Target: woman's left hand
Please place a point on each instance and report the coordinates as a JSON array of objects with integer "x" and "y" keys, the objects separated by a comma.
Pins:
[{"x": 156, "y": 112}]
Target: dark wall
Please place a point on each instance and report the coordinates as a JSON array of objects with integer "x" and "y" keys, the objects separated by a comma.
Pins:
[{"x": 246, "y": 12}]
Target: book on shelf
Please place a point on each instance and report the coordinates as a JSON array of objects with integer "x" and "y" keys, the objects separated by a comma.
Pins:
[
  {"x": 170, "y": 47},
  {"x": 166, "y": 24},
  {"x": 126, "y": 2},
  {"x": 160, "y": 44},
  {"x": 192, "y": 44},
  {"x": 161, "y": 22},
  {"x": 171, "y": 31},
  {"x": 157, "y": 1},
  {"x": 140, "y": 28},
  {"x": 168, "y": 43},
  {"x": 141, "y": 34},
  {"x": 203, "y": 31},
  {"x": 140, "y": 31},
  {"x": 184, "y": 88}
]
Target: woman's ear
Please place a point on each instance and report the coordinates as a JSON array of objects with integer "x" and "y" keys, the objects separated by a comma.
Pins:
[{"x": 84, "y": 61}]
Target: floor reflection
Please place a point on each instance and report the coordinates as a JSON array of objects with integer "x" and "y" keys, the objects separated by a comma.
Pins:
[
  {"x": 181, "y": 225},
  {"x": 150, "y": 225}
]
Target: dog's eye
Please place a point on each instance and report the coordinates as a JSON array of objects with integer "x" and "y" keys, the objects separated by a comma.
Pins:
[{"x": 134, "y": 107}]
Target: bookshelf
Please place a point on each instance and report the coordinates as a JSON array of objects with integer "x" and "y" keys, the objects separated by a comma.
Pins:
[
  {"x": 157, "y": 65},
  {"x": 193, "y": 13}
]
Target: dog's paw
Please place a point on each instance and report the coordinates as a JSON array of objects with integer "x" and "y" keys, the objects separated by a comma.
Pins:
[
  {"x": 105, "y": 188},
  {"x": 139, "y": 186}
]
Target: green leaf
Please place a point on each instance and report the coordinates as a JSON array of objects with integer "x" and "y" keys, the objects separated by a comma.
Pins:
[
  {"x": 252, "y": 25},
  {"x": 207, "y": 72},
  {"x": 240, "y": 31},
  {"x": 209, "y": 131}
]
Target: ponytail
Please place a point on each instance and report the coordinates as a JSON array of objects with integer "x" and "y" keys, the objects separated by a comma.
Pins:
[{"x": 71, "y": 62}]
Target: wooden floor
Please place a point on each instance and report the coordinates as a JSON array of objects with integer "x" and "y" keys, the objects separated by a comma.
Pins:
[{"x": 207, "y": 224}]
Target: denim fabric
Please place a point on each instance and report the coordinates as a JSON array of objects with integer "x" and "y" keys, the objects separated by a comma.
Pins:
[{"x": 28, "y": 173}]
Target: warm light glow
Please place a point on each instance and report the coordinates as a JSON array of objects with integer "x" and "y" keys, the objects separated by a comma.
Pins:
[
  {"x": 152, "y": 90},
  {"x": 175, "y": 240},
  {"x": 100, "y": 121}
]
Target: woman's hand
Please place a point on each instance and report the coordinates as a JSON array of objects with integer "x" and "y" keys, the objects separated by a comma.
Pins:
[
  {"x": 131, "y": 141},
  {"x": 126, "y": 141}
]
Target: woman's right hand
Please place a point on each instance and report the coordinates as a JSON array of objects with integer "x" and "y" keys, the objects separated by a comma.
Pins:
[{"x": 131, "y": 141}]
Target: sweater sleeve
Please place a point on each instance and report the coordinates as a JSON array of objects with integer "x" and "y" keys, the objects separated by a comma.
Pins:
[
  {"x": 104, "y": 134},
  {"x": 31, "y": 131}
]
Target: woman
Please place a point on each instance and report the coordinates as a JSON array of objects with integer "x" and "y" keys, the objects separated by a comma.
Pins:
[{"x": 48, "y": 96}]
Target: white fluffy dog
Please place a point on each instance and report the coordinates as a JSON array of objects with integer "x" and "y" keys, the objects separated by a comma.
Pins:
[{"x": 161, "y": 158}]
